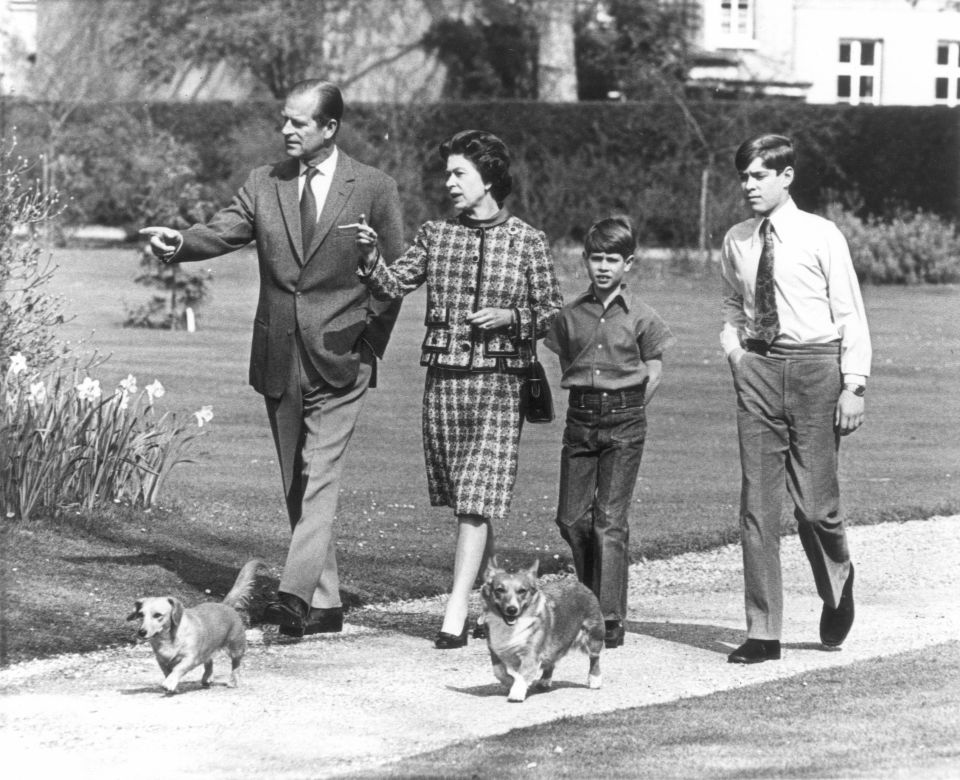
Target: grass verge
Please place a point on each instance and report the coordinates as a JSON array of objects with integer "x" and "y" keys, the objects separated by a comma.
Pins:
[{"x": 890, "y": 717}]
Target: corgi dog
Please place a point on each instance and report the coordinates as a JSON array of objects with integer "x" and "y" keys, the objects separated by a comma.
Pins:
[
  {"x": 183, "y": 638},
  {"x": 529, "y": 629}
]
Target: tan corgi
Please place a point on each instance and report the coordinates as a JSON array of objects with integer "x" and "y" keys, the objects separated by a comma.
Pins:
[{"x": 530, "y": 629}]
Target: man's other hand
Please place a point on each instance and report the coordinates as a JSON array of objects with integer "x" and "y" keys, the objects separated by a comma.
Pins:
[{"x": 164, "y": 241}]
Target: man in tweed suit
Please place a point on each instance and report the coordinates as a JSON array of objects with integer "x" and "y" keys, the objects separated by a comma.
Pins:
[{"x": 317, "y": 332}]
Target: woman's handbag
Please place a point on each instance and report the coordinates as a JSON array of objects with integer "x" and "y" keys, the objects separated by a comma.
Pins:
[{"x": 537, "y": 401}]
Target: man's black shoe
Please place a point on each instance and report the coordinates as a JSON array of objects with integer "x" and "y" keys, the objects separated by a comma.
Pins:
[
  {"x": 613, "y": 633},
  {"x": 835, "y": 622},
  {"x": 289, "y": 612},
  {"x": 755, "y": 651},
  {"x": 323, "y": 621}
]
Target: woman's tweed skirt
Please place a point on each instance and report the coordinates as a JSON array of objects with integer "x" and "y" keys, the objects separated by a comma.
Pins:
[{"x": 471, "y": 440}]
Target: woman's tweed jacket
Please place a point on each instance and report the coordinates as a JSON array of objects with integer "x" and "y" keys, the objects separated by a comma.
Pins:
[{"x": 466, "y": 268}]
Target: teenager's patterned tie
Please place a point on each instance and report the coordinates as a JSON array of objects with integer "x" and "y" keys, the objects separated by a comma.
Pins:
[
  {"x": 767, "y": 322},
  {"x": 308, "y": 210}
]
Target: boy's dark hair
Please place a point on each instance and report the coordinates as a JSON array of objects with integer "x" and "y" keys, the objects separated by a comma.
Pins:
[
  {"x": 613, "y": 235},
  {"x": 776, "y": 151},
  {"x": 490, "y": 156}
]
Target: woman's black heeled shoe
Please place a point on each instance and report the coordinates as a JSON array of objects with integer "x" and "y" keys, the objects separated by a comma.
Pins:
[{"x": 445, "y": 641}]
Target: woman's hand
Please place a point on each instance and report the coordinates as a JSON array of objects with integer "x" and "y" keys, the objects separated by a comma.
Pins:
[
  {"x": 366, "y": 242},
  {"x": 491, "y": 318}
]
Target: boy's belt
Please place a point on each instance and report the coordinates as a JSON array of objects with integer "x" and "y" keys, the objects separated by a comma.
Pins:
[{"x": 625, "y": 397}]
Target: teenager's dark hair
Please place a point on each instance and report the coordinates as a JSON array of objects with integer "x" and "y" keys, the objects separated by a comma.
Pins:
[
  {"x": 613, "y": 235},
  {"x": 329, "y": 99},
  {"x": 490, "y": 156},
  {"x": 776, "y": 151}
]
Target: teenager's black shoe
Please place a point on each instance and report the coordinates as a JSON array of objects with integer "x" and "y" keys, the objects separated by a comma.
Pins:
[
  {"x": 835, "y": 622},
  {"x": 445, "y": 641},
  {"x": 755, "y": 651},
  {"x": 323, "y": 621}
]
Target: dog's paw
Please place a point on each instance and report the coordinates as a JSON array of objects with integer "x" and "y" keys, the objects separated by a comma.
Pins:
[
  {"x": 594, "y": 681},
  {"x": 517, "y": 693},
  {"x": 169, "y": 688},
  {"x": 545, "y": 683}
]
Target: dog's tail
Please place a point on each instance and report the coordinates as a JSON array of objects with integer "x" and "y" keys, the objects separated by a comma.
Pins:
[{"x": 245, "y": 588}]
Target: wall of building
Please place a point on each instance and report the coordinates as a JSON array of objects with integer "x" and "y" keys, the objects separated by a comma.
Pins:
[{"x": 908, "y": 39}]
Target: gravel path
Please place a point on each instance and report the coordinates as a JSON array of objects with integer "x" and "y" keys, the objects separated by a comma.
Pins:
[{"x": 379, "y": 691}]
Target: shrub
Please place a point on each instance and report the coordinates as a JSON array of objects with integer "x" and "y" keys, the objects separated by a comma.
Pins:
[
  {"x": 907, "y": 248},
  {"x": 28, "y": 314},
  {"x": 63, "y": 441}
]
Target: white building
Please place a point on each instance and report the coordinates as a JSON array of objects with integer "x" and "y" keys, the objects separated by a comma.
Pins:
[
  {"x": 18, "y": 44},
  {"x": 877, "y": 52}
]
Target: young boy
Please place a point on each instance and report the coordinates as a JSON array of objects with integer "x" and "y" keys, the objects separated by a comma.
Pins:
[
  {"x": 610, "y": 346},
  {"x": 795, "y": 334}
]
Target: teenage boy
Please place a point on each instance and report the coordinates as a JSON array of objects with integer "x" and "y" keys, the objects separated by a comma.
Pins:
[
  {"x": 795, "y": 334},
  {"x": 610, "y": 346}
]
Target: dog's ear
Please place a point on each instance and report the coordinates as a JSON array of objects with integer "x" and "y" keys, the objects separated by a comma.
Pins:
[
  {"x": 535, "y": 568},
  {"x": 137, "y": 606},
  {"x": 492, "y": 567},
  {"x": 176, "y": 613}
]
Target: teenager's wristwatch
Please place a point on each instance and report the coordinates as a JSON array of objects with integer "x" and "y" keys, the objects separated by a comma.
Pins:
[{"x": 857, "y": 390}]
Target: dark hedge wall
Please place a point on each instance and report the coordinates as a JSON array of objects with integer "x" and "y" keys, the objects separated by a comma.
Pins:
[{"x": 575, "y": 162}]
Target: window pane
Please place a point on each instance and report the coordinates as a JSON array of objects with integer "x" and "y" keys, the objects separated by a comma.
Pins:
[
  {"x": 843, "y": 86},
  {"x": 941, "y": 89},
  {"x": 943, "y": 54},
  {"x": 866, "y": 86},
  {"x": 866, "y": 52},
  {"x": 844, "y": 52}
]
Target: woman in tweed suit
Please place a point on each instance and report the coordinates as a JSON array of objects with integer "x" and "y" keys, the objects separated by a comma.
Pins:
[{"x": 489, "y": 278}]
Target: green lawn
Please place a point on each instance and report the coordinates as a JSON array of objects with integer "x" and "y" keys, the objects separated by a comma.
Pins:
[
  {"x": 227, "y": 506},
  {"x": 890, "y": 717}
]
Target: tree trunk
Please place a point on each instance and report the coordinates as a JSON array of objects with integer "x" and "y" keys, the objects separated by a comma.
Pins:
[{"x": 556, "y": 63}]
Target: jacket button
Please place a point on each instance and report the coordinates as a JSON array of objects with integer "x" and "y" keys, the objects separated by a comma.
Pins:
[
  {"x": 465, "y": 346},
  {"x": 298, "y": 293},
  {"x": 468, "y": 290}
]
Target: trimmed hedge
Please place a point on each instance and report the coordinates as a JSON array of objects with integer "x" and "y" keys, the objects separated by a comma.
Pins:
[{"x": 575, "y": 162}]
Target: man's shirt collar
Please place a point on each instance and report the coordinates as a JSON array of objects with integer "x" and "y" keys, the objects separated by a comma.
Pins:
[{"x": 325, "y": 167}]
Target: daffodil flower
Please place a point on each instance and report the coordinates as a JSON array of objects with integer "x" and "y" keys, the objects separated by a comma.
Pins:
[
  {"x": 89, "y": 389},
  {"x": 38, "y": 393},
  {"x": 129, "y": 385},
  {"x": 18, "y": 363},
  {"x": 205, "y": 415},
  {"x": 154, "y": 390}
]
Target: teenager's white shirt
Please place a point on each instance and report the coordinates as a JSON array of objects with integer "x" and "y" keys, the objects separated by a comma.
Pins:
[{"x": 818, "y": 295}]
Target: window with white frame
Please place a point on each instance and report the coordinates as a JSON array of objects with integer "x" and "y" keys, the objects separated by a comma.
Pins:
[
  {"x": 729, "y": 23},
  {"x": 859, "y": 70},
  {"x": 946, "y": 83}
]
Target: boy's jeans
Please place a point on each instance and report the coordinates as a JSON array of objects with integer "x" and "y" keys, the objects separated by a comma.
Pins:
[{"x": 602, "y": 447}]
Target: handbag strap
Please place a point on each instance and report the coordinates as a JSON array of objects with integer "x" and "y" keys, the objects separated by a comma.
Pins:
[{"x": 533, "y": 337}]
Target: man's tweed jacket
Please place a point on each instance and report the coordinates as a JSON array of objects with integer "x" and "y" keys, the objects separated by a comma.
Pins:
[{"x": 317, "y": 291}]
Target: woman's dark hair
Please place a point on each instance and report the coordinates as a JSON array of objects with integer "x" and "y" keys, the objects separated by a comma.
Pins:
[
  {"x": 776, "y": 151},
  {"x": 613, "y": 235},
  {"x": 489, "y": 155}
]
